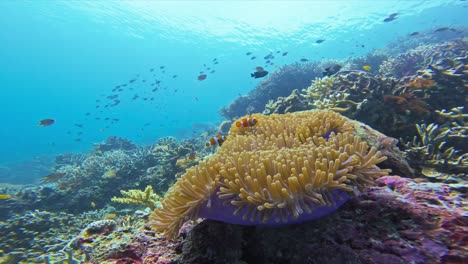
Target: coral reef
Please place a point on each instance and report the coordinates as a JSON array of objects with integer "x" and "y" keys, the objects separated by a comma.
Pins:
[
  {"x": 434, "y": 148},
  {"x": 293, "y": 103},
  {"x": 400, "y": 221},
  {"x": 114, "y": 143},
  {"x": 280, "y": 83},
  {"x": 288, "y": 168},
  {"x": 147, "y": 198}
]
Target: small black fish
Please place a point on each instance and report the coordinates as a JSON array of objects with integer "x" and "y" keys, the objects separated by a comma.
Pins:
[
  {"x": 253, "y": 58},
  {"x": 115, "y": 119},
  {"x": 213, "y": 71},
  {"x": 216, "y": 62},
  {"x": 215, "y": 59},
  {"x": 112, "y": 96},
  {"x": 79, "y": 125},
  {"x": 388, "y": 19},
  {"x": 285, "y": 53},
  {"x": 259, "y": 73},
  {"x": 332, "y": 70},
  {"x": 414, "y": 33},
  {"x": 46, "y": 122},
  {"x": 362, "y": 46},
  {"x": 162, "y": 67},
  {"x": 132, "y": 81},
  {"x": 201, "y": 77},
  {"x": 304, "y": 60},
  {"x": 107, "y": 118},
  {"x": 174, "y": 76},
  {"x": 248, "y": 53},
  {"x": 319, "y": 41},
  {"x": 152, "y": 69},
  {"x": 78, "y": 140},
  {"x": 87, "y": 114},
  {"x": 155, "y": 89}
]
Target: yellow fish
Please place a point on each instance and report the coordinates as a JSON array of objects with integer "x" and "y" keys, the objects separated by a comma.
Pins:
[
  {"x": 93, "y": 204},
  {"x": 99, "y": 152},
  {"x": 53, "y": 177},
  {"x": 367, "y": 67},
  {"x": 4, "y": 196}
]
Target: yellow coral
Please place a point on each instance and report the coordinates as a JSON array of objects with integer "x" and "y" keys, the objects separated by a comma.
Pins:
[
  {"x": 147, "y": 197},
  {"x": 109, "y": 174},
  {"x": 280, "y": 166}
]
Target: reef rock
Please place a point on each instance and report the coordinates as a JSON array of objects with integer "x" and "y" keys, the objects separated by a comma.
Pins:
[{"x": 400, "y": 221}]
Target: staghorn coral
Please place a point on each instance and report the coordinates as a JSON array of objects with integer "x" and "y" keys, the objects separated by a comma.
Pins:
[
  {"x": 288, "y": 168},
  {"x": 431, "y": 149},
  {"x": 147, "y": 198}
]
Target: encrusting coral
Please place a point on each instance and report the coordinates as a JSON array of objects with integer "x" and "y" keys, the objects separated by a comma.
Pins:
[
  {"x": 146, "y": 198},
  {"x": 288, "y": 168}
]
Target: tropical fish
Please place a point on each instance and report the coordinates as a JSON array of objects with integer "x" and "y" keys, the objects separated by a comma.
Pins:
[
  {"x": 367, "y": 67},
  {"x": 202, "y": 77},
  {"x": 391, "y": 17},
  {"x": 319, "y": 41},
  {"x": 332, "y": 70},
  {"x": 216, "y": 141},
  {"x": 53, "y": 177},
  {"x": 4, "y": 196},
  {"x": 192, "y": 156},
  {"x": 247, "y": 122},
  {"x": 260, "y": 72},
  {"x": 46, "y": 122}
]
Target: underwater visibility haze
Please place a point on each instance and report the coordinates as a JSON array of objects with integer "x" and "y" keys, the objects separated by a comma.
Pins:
[{"x": 327, "y": 131}]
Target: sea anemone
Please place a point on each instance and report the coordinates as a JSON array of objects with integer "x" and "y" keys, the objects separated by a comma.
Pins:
[{"x": 286, "y": 169}]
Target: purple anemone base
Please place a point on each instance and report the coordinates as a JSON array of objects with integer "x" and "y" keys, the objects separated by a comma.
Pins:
[{"x": 222, "y": 210}]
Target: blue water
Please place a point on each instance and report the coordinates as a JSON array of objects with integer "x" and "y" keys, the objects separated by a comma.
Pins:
[{"x": 59, "y": 57}]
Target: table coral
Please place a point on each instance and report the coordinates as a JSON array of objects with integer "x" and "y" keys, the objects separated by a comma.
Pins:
[{"x": 288, "y": 168}]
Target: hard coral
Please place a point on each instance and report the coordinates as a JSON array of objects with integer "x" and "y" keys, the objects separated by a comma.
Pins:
[
  {"x": 147, "y": 197},
  {"x": 288, "y": 168}
]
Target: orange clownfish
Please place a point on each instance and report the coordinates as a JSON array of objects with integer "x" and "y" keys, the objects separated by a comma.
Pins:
[
  {"x": 247, "y": 122},
  {"x": 216, "y": 141}
]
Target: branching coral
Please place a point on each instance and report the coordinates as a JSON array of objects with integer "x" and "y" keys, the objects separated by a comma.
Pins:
[
  {"x": 431, "y": 148},
  {"x": 147, "y": 198},
  {"x": 287, "y": 168},
  {"x": 459, "y": 128}
]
